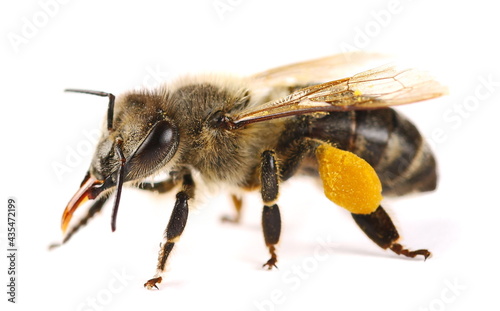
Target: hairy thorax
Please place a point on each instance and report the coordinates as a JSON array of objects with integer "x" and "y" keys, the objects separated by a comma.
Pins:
[{"x": 232, "y": 156}]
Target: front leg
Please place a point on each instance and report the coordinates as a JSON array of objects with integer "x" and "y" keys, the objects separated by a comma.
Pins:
[
  {"x": 94, "y": 209},
  {"x": 160, "y": 187},
  {"x": 271, "y": 218},
  {"x": 174, "y": 229}
]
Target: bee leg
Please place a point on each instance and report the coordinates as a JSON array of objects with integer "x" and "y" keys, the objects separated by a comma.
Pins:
[
  {"x": 271, "y": 219},
  {"x": 174, "y": 229},
  {"x": 237, "y": 203},
  {"x": 379, "y": 227},
  {"x": 271, "y": 223},
  {"x": 94, "y": 209},
  {"x": 160, "y": 187}
]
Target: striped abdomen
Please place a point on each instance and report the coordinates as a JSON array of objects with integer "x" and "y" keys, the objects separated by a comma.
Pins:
[{"x": 388, "y": 141}]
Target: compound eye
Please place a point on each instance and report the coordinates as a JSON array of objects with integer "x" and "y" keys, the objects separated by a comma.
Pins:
[{"x": 159, "y": 146}]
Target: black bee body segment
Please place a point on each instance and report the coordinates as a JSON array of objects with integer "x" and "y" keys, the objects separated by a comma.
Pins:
[
  {"x": 175, "y": 227},
  {"x": 269, "y": 177},
  {"x": 397, "y": 152},
  {"x": 389, "y": 142},
  {"x": 271, "y": 225},
  {"x": 271, "y": 218},
  {"x": 178, "y": 218},
  {"x": 188, "y": 185},
  {"x": 379, "y": 227},
  {"x": 293, "y": 148}
]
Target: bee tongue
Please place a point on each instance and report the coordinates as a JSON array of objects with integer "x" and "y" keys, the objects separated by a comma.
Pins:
[{"x": 86, "y": 191}]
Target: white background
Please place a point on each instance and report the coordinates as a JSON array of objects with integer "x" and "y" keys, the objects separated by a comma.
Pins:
[{"x": 326, "y": 262}]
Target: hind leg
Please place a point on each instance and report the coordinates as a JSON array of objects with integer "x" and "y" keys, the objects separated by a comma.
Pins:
[
  {"x": 379, "y": 227},
  {"x": 238, "y": 204}
]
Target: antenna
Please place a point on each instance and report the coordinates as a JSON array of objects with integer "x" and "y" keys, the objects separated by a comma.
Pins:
[{"x": 111, "y": 103}]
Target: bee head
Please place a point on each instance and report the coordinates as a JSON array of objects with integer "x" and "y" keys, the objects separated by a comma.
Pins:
[
  {"x": 143, "y": 131},
  {"x": 139, "y": 140}
]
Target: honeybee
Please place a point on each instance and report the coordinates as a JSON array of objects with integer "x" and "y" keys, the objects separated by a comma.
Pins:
[{"x": 255, "y": 132}]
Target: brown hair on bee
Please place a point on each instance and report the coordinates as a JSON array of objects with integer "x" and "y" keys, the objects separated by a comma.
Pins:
[{"x": 254, "y": 133}]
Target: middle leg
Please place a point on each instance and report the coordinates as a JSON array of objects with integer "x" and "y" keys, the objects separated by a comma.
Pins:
[
  {"x": 291, "y": 156},
  {"x": 271, "y": 218}
]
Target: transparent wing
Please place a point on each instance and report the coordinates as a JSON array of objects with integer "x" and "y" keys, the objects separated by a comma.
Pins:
[
  {"x": 383, "y": 86},
  {"x": 318, "y": 70}
]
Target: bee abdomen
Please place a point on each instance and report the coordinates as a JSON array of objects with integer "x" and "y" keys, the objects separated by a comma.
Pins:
[
  {"x": 388, "y": 142},
  {"x": 406, "y": 164}
]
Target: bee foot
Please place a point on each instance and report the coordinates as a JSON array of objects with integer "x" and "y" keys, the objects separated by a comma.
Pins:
[
  {"x": 271, "y": 263},
  {"x": 152, "y": 283},
  {"x": 400, "y": 250},
  {"x": 230, "y": 219},
  {"x": 54, "y": 246}
]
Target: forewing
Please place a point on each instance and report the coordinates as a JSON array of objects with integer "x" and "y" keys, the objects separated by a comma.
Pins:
[
  {"x": 318, "y": 70},
  {"x": 383, "y": 86}
]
